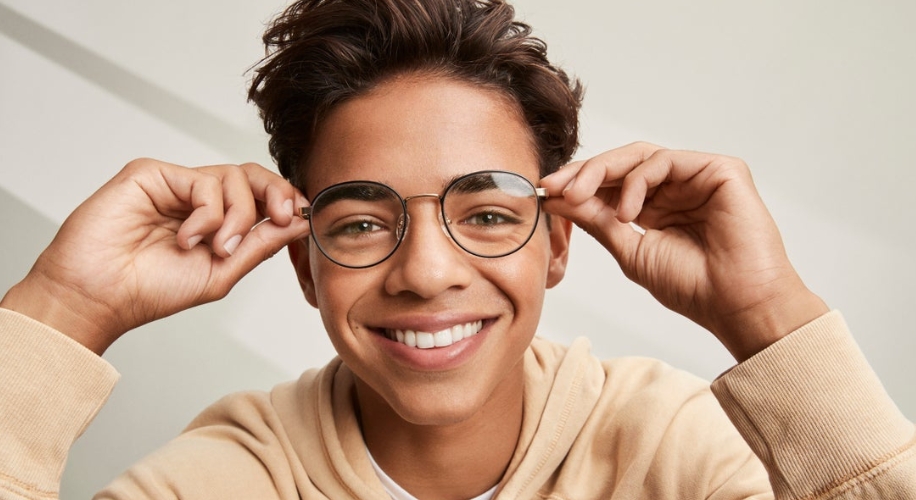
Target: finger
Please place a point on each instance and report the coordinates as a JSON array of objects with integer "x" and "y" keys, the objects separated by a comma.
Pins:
[
  {"x": 606, "y": 170},
  {"x": 279, "y": 198},
  {"x": 240, "y": 211},
  {"x": 676, "y": 203},
  {"x": 662, "y": 166},
  {"x": 199, "y": 192},
  {"x": 261, "y": 243},
  {"x": 593, "y": 213},
  {"x": 557, "y": 181},
  {"x": 597, "y": 218}
]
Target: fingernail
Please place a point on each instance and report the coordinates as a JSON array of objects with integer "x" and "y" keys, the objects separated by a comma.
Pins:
[
  {"x": 232, "y": 243},
  {"x": 288, "y": 206},
  {"x": 194, "y": 240}
]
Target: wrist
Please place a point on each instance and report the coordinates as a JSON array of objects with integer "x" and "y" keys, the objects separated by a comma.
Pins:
[
  {"x": 763, "y": 325},
  {"x": 48, "y": 304}
]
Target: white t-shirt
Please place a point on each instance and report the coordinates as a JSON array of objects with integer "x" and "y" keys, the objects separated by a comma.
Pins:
[{"x": 397, "y": 493}]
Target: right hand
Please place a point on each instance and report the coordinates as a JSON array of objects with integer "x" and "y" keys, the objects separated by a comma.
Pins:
[
  {"x": 156, "y": 239},
  {"x": 708, "y": 248}
]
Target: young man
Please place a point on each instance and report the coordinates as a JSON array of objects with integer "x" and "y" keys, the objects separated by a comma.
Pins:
[{"x": 423, "y": 144}]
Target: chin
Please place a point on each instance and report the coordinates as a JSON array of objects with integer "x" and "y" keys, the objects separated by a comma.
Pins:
[
  {"x": 438, "y": 410},
  {"x": 431, "y": 400}
]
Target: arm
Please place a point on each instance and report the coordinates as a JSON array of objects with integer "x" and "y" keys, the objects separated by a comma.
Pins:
[
  {"x": 156, "y": 239},
  {"x": 813, "y": 395},
  {"x": 708, "y": 249}
]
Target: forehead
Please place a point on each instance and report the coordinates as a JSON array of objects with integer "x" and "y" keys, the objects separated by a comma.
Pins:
[{"x": 417, "y": 133}]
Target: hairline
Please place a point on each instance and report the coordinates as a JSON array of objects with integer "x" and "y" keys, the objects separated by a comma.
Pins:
[{"x": 385, "y": 84}]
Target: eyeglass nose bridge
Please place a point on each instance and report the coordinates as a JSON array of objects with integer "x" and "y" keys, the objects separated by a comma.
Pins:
[{"x": 404, "y": 219}]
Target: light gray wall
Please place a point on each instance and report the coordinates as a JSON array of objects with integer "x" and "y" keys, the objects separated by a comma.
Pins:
[{"x": 816, "y": 96}]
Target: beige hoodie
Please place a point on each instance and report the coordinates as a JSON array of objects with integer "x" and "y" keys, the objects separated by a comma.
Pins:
[{"x": 809, "y": 406}]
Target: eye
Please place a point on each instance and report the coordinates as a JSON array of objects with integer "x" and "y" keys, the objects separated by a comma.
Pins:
[
  {"x": 354, "y": 228},
  {"x": 490, "y": 218}
]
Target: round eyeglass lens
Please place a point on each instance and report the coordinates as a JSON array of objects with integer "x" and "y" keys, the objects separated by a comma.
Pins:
[
  {"x": 361, "y": 223},
  {"x": 357, "y": 224},
  {"x": 492, "y": 213}
]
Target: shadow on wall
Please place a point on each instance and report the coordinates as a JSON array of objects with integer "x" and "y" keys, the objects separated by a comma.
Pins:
[
  {"x": 176, "y": 110},
  {"x": 170, "y": 369}
]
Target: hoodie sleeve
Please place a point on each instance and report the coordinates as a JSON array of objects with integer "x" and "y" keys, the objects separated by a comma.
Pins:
[
  {"x": 52, "y": 387},
  {"x": 813, "y": 410}
]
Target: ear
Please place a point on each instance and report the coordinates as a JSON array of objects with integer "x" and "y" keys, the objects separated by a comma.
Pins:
[
  {"x": 560, "y": 231},
  {"x": 299, "y": 255}
]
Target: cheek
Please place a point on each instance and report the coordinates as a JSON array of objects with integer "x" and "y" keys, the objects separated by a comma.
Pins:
[
  {"x": 522, "y": 276},
  {"x": 336, "y": 290}
]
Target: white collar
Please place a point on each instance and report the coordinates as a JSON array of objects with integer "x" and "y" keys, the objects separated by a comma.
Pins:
[{"x": 395, "y": 491}]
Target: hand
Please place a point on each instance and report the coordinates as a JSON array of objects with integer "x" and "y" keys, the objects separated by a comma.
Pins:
[
  {"x": 710, "y": 249},
  {"x": 156, "y": 239}
]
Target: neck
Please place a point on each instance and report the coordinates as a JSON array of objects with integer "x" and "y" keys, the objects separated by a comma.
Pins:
[{"x": 455, "y": 461}]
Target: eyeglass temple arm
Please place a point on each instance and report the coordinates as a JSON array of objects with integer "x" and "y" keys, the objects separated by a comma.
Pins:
[{"x": 541, "y": 193}]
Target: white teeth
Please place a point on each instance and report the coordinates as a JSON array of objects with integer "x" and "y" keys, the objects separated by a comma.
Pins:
[
  {"x": 443, "y": 338},
  {"x": 425, "y": 340},
  {"x": 458, "y": 333}
]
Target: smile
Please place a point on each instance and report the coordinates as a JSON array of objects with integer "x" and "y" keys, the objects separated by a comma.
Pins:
[{"x": 442, "y": 338}]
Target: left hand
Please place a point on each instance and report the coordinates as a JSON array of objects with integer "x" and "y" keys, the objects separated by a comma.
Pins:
[
  {"x": 157, "y": 239},
  {"x": 710, "y": 251}
]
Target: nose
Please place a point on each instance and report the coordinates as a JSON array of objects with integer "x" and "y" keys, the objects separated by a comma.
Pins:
[{"x": 428, "y": 262}]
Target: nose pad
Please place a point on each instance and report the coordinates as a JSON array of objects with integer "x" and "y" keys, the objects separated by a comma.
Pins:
[
  {"x": 402, "y": 225},
  {"x": 404, "y": 219}
]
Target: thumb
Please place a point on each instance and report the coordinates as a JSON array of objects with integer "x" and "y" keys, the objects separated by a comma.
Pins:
[
  {"x": 261, "y": 243},
  {"x": 600, "y": 221}
]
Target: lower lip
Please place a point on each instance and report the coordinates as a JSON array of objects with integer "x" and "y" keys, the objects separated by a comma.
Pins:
[{"x": 437, "y": 358}]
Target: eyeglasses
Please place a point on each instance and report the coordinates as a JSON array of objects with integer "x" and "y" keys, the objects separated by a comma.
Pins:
[{"x": 489, "y": 214}]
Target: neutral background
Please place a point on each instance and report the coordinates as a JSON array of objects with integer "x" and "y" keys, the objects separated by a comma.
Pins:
[{"x": 816, "y": 96}]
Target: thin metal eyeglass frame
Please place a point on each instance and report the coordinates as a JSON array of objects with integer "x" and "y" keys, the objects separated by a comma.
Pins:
[{"x": 539, "y": 192}]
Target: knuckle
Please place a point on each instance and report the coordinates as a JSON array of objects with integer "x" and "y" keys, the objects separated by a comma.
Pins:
[
  {"x": 658, "y": 160},
  {"x": 251, "y": 166},
  {"x": 734, "y": 166},
  {"x": 741, "y": 165},
  {"x": 233, "y": 173},
  {"x": 664, "y": 155},
  {"x": 256, "y": 170},
  {"x": 138, "y": 165},
  {"x": 590, "y": 164},
  {"x": 209, "y": 180},
  {"x": 646, "y": 147}
]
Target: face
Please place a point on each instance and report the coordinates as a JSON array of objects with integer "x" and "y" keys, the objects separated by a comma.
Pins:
[{"x": 416, "y": 134}]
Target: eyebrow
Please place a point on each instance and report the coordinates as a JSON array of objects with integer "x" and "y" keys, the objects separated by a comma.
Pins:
[
  {"x": 472, "y": 184},
  {"x": 359, "y": 190}
]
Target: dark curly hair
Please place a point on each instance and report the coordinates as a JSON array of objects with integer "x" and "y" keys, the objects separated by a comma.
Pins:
[{"x": 320, "y": 53}]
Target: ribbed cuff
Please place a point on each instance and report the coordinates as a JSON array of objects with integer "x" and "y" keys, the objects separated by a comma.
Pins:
[
  {"x": 813, "y": 410},
  {"x": 51, "y": 387}
]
